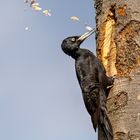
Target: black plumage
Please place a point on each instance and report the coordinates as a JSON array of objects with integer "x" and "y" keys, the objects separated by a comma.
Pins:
[{"x": 93, "y": 82}]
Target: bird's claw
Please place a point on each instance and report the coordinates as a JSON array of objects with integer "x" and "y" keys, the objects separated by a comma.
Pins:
[
  {"x": 110, "y": 86},
  {"x": 114, "y": 77}
]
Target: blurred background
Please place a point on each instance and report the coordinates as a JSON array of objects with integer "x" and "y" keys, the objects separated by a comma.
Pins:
[{"x": 40, "y": 98}]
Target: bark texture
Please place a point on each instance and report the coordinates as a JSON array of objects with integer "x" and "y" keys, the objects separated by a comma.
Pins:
[{"x": 118, "y": 47}]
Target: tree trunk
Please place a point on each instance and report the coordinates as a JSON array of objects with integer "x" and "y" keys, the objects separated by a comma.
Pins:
[{"x": 118, "y": 47}]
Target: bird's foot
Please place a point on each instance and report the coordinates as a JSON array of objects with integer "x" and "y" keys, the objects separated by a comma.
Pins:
[
  {"x": 114, "y": 77},
  {"x": 108, "y": 87}
]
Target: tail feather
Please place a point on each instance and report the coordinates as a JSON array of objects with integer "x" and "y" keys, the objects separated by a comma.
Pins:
[
  {"x": 104, "y": 121},
  {"x": 95, "y": 120},
  {"x": 106, "y": 127}
]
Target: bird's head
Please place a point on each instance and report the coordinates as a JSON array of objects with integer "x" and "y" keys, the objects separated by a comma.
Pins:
[{"x": 71, "y": 44}]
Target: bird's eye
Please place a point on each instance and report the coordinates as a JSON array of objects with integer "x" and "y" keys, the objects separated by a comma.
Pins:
[{"x": 73, "y": 39}]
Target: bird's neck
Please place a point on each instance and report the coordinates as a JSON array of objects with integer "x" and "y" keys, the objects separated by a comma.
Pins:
[
  {"x": 76, "y": 54},
  {"x": 80, "y": 52}
]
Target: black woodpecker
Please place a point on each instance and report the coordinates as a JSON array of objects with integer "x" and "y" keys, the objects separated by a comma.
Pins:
[{"x": 93, "y": 81}]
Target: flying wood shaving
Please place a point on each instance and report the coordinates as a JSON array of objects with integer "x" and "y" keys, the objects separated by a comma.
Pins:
[
  {"x": 32, "y": 2},
  {"x": 47, "y": 12},
  {"x": 37, "y": 8},
  {"x": 88, "y": 27},
  {"x": 26, "y": 28},
  {"x": 35, "y": 4},
  {"x": 75, "y": 18}
]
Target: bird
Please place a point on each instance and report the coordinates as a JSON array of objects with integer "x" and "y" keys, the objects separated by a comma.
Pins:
[{"x": 93, "y": 81}]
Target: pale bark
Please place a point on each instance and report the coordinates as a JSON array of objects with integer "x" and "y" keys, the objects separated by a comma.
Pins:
[{"x": 118, "y": 47}]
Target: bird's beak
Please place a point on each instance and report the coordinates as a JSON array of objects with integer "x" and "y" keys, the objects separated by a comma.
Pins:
[{"x": 85, "y": 35}]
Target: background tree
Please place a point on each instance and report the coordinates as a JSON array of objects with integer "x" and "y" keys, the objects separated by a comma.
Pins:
[{"x": 118, "y": 47}]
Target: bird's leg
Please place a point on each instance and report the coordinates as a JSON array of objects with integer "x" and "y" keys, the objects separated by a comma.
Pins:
[{"x": 112, "y": 79}]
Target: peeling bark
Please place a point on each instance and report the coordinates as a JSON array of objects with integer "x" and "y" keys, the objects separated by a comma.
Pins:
[{"x": 118, "y": 47}]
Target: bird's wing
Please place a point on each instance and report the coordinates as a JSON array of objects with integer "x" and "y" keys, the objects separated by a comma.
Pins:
[
  {"x": 91, "y": 100},
  {"x": 104, "y": 122}
]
